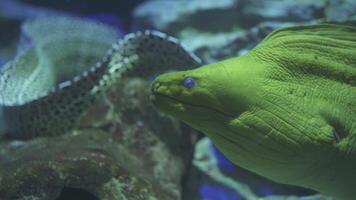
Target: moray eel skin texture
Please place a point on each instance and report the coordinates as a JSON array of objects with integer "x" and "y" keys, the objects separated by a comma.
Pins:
[
  {"x": 286, "y": 110},
  {"x": 27, "y": 112}
]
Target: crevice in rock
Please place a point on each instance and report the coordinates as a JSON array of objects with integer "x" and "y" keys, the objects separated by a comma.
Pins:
[{"x": 69, "y": 193}]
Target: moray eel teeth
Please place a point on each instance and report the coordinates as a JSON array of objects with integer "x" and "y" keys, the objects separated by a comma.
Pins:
[{"x": 57, "y": 110}]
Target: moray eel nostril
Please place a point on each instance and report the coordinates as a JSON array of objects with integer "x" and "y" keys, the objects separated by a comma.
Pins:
[
  {"x": 159, "y": 88},
  {"x": 155, "y": 86}
]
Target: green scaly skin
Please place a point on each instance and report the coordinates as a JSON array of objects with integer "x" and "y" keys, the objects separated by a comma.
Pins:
[{"x": 286, "y": 110}]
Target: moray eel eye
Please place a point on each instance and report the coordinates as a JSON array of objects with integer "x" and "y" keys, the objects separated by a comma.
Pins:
[{"x": 189, "y": 82}]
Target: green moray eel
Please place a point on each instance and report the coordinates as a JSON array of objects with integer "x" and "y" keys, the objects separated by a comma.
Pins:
[
  {"x": 30, "y": 108},
  {"x": 286, "y": 110}
]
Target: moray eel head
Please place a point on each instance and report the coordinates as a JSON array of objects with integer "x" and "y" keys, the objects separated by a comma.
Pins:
[
  {"x": 238, "y": 116},
  {"x": 285, "y": 110},
  {"x": 197, "y": 96},
  {"x": 228, "y": 101}
]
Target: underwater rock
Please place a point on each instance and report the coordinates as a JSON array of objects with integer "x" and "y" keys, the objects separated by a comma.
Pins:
[
  {"x": 241, "y": 43},
  {"x": 222, "y": 16},
  {"x": 12, "y": 14},
  {"x": 229, "y": 26},
  {"x": 341, "y": 10},
  {"x": 42, "y": 168},
  {"x": 14, "y": 9},
  {"x": 173, "y": 16},
  {"x": 284, "y": 10},
  {"x": 67, "y": 37},
  {"x": 121, "y": 156},
  {"x": 134, "y": 122},
  {"x": 120, "y": 9},
  {"x": 52, "y": 43},
  {"x": 9, "y": 31},
  {"x": 193, "y": 22},
  {"x": 214, "y": 182},
  {"x": 232, "y": 27}
]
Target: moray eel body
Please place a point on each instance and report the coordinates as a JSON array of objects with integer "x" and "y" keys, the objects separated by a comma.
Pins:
[
  {"x": 286, "y": 110},
  {"x": 29, "y": 108}
]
